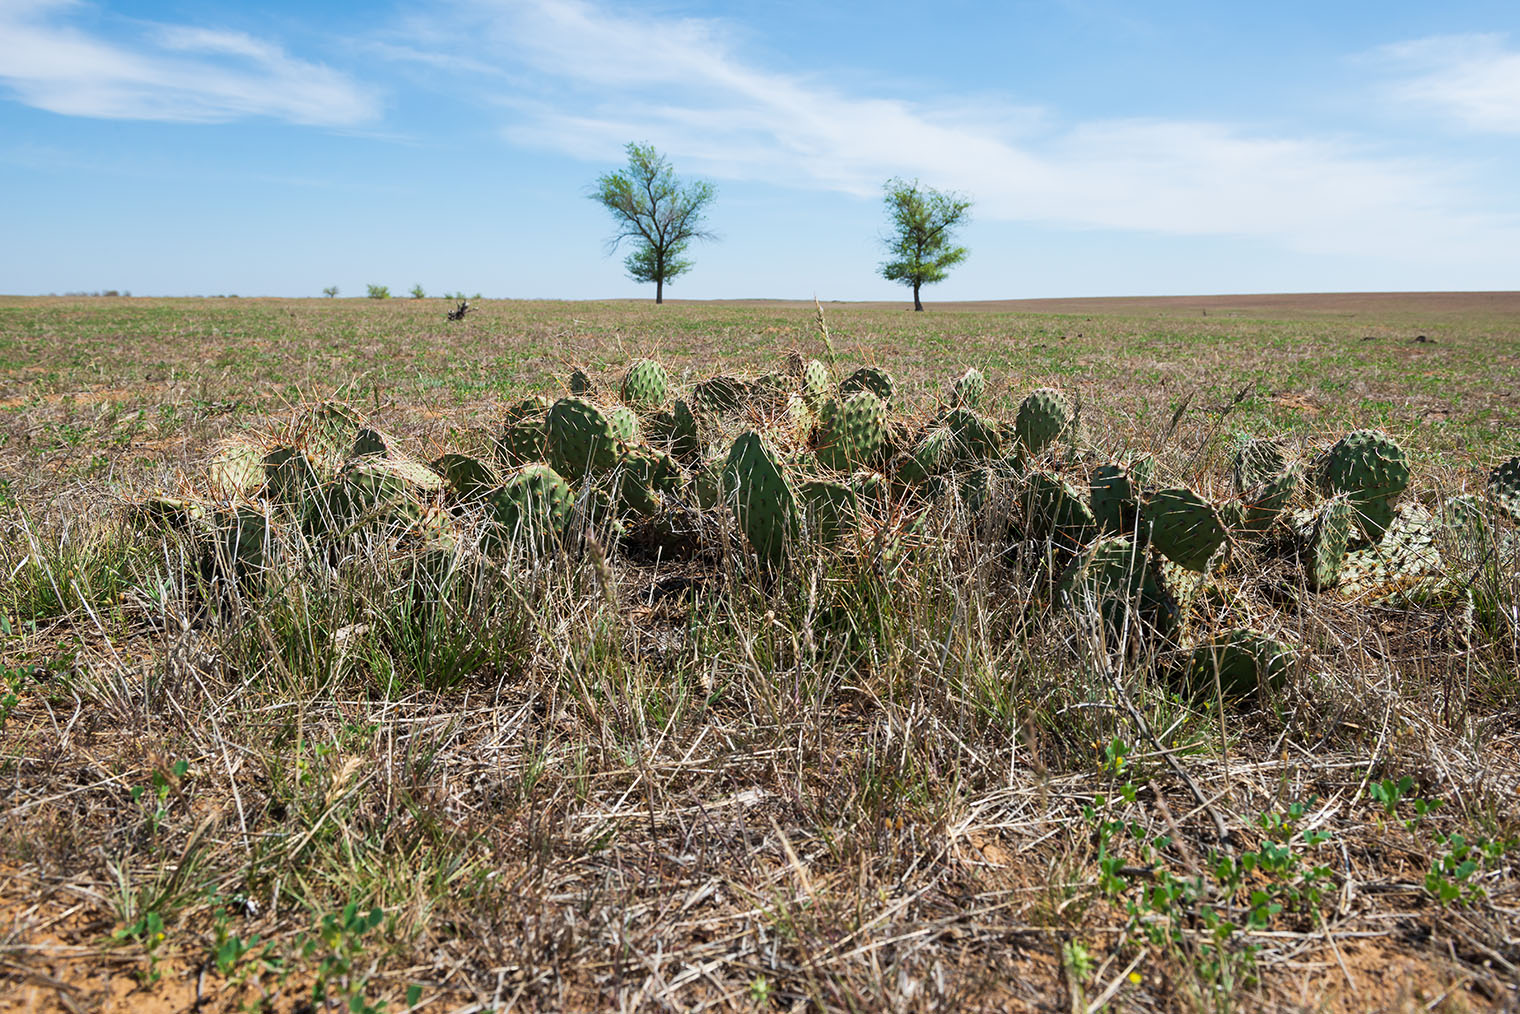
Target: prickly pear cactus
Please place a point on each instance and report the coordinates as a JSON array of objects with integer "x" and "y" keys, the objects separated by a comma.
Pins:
[
  {"x": 974, "y": 438},
  {"x": 967, "y": 390},
  {"x": 1238, "y": 664},
  {"x": 1504, "y": 487},
  {"x": 1045, "y": 416},
  {"x": 381, "y": 491},
  {"x": 535, "y": 405},
  {"x": 830, "y": 509},
  {"x": 1184, "y": 527},
  {"x": 468, "y": 477},
  {"x": 1370, "y": 468},
  {"x": 580, "y": 382},
  {"x": 721, "y": 395},
  {"x": 531, "y": 508},
  {"x": 869, "y": 378},
  {"x": 1256, "y": 462},
  {"x": 1054, "y": 509},
  {"x": 1105, "y": 574},
  {"x": 292, "y": 477},
  {"x": 816, "y": 383},
  {"x": 643, "y": 476},
  {"x": 1323, "y": 536},
  {"x": 522, "y": 442},
  {"x": 761, "y": 498},
  {"x": 623, "y": 423},
  {"x": 851, "y": 432},
  {"x": 1261, "y": 505},
  {"x": 371, "y": 441},
  {"x": 579, "y": 439},
  {"x": 645, "y": 384},
  {"x": 238, "y": 471},
  {"x": 800, "y": 419},
  {"x": 1115, "y": 504}
]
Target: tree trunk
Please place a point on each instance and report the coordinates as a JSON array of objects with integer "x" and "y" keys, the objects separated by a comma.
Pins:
[
  {"x": 659, "y": 290},
  {"x": 917, "y": 306}
]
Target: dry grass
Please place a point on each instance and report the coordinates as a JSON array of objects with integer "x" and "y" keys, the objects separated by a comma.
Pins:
[{"x": 608, "y": 783}]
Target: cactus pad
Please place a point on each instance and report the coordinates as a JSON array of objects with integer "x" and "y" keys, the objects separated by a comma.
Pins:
[
  {"x": 1184, "y": 527},
  {"x": 1045, "y": 417},
  {"x": 645, "y": 384}
]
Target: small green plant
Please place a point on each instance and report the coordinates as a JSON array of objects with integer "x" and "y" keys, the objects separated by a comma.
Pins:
[
  {"x": 10, "y": 688},
  {"x": 148, "y": 931},
  {"x": 377, "y": 291},
  {"x": 162, "y": 784},
  {"x": 1452, "y": 875},
  {"x": 330, "y": 292},
  {"x": 1389, "y": 792},
  {"x": 339, "y": 939}
]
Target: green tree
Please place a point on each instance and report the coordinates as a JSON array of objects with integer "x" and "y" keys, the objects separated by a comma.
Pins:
[
  {"x": 657, "y": 212},
  {"x": 378, "y": 291},
  {"x": 330, "y": 292},
  {"x": 923, "y": 222},
  {"x": 418, "y": 292}
]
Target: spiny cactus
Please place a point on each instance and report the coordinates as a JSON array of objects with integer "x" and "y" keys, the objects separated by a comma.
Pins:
[
  {"x": 523, "y": 408},
  {"x": 1237, "y": 664},
  {"x": 831, "y": 509},
  {"x": 624, "y": 424},
  {"x": 467, "y": 476},
  {"x": 532, "y": 507},
  {"x": 851, "y": 432},
  {"x": 238, "y": 471},
  {"x": 869, "y": 378},
  {"x": 816, "y": 383},
  {"x": 1324, "y": 535},
  {"x": 580, "y": 382},
  {"x": 800, "y": 419},
  {"x": 1184, "y": 527},
  {"x": 579, "y": 439},
  {"x": 642, "y": 477},
  {"x": 645, "y": 384},
  {"x": 974, "y": 438},
  {"x": 761, "y": 498},
  {"x": 1045, "y": 416},
  {"x": 1256, "y": 462},
  {"x": 1261, "y": 505},
  {"x": 1370, "y": 468},
  {"x": 967, "y": 390},
  {"x": 1114, "y": 501},
  {"x": 1504, "y": 487},
  {"x": 522, "y": 442},
  {"x": 1055, "y": 509},
  {"x": 721, "y": 395},
  {"x": 1106, "y": 573}
]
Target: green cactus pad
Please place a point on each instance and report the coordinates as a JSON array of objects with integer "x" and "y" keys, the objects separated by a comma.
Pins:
[
  {"x": 1238, "y": 664},
  {"x": 1369, "y": 468},
  {"x": 1324, "y": 540},
  {"x": 800, "y": 419},
  {"x": 1045, "y": 417},
  {"x": 624, "y": 424},
  {"x": 643, "y": 476},
  {"x": 580, "y": 382},
  {"x": 1184, "y": 527},
  {"x": 1256, "y": 463},
  {"x": 816, "y": 383},
  {"x": 830, "y": 509},
  {"x": 579, "y": 439},
  {"x": 1113, "y": 497},
  {"x": 1054, "y": 509},
  {"x": 467, "y": 476},
  {"x": 967, "y": 390},
  {"x": 1105, "y": 576},
  {"x": 238, "y": 471},
  {"x": 522, "y": 442},
  {"x": 975, "y": 438},
  {"x": 645, "y": 384},
  {"x": 761, "y": 498},
  {"x": 721, "y": 396},
  {"x": 532, "y": 507},
  {"x": 1261, "y": 505},
  {"x": 1504, "y": 487},
  {"x": 869, "y": 378},
  {"x": 851, "y": 432}
]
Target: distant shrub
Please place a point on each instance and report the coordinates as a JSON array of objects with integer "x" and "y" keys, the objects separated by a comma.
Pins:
[
  {"x": 330, "y": 292},
  {"x": 418, "y": 292},
  {"x": 378, "y": 291}
]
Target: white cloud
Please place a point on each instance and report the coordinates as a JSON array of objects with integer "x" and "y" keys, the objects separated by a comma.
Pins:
[
  {"x": 590, "y": 79},
  {"x": 172, "y": 72},
  {"x": 1474, "y": 79}
]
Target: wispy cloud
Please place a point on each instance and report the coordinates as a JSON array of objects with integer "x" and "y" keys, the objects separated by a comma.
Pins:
[
  {"x": 1474, "y": 79},
  {"x": 167, "y": 72},
  {"x": 590, "y": 79}
]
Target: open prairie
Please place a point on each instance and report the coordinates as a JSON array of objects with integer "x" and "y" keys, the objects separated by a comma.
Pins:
[{"x": 896, "y": 776}]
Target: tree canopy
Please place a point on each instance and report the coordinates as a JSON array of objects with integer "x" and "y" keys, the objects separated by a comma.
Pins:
[
  {"x": 924, "y": 221},
  {"x": 657, "y": 212}
]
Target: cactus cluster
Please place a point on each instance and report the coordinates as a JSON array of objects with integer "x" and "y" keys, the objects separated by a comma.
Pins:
[{"x": 789, "y": 463}]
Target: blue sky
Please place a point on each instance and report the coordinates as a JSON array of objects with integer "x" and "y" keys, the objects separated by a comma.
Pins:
[{"x": 1111, "y": 148}]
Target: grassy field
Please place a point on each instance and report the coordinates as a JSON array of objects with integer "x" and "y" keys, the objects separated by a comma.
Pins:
[{"x": 613, "y": 782}]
